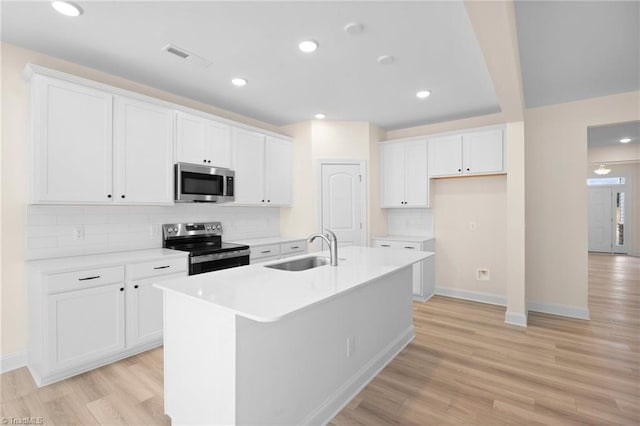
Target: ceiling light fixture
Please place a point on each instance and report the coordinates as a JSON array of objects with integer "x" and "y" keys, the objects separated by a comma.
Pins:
[
  {"x": 423, "y": 94},
  {"x": 239, "y": 82},
  {"x": 320, "y": 116},
  {"x": 386, "y": 59},
  {"x": 602, "y": 170},
  {"x": 625, "y": 140},
  {"x": 353, "y": 28},
  {"x": 67, "y": 8},
  {"x": 308, "y": 46}
]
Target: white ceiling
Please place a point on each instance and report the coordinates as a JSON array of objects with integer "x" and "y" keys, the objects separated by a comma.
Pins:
[
  {"x": 612, "y": 133},
  {"x": 433, "y": 43},
  {"x": 571, "y": 50}
]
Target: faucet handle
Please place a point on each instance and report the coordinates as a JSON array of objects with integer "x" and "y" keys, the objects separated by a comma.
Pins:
[{"x": 330, "y": 234}]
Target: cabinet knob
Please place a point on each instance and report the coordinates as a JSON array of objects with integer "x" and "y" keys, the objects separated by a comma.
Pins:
[
  {"x": 209, "y": 161},
  {"x": 467, "y": 169},
  {"x": 263, "y": 201},
  {"x": 122, "y": 196},
  {"x": 121, "y": 288},
  {"x": 204, "y": 161},
  {"x": 459, "y": 170},
  {"x": 135, "y": 286},
  {"x": 108, "y": 195},
  {"x": 268, "y": 201}
]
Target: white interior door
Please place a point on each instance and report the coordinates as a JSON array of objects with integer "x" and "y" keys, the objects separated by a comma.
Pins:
[
  {"x": 341, "y": 203},
  {"x": 600, "y": 219}
]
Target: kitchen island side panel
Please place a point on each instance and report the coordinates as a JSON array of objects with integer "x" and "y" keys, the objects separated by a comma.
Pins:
[
  {"x": 199, "y": 361},
  {"x": 303, "y": 367}
]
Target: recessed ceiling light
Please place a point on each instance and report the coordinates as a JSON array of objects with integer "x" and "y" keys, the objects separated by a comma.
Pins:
[
  {"x": 67, "y": 8},
  {"x": 423, "y": 94},
  {"x": 238, "y": 81},
  {"x": 625, "y": 140},
  {"x": 308, "y": 46},
  {"x": 353, "y": 28},
  {"x": 320, "y": 116},
  {"x": 386, "y": 59}
]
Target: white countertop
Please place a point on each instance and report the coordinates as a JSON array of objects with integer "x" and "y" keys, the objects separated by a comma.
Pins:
[
  {"x": 411, "y": 238},
  {"x": 67, "y": 264},
  {"x": 266, "y": 295},
  {"x": 268, "y": 240}
]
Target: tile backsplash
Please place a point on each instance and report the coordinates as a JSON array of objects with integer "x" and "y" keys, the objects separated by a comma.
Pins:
[
  {"x": 410, "y": 222},
  {"x": 57, "y": 231}
]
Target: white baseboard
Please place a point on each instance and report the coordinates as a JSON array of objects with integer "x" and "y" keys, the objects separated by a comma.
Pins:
[
  {"x": 562, "y": 310},
  {"x": 13, "y": 361},
  {"x": 340, "y": 398},
  {"x": 515, "y": 318},
  {"x": 492, "y": 299},
  {"x": 422, "y": 298}
]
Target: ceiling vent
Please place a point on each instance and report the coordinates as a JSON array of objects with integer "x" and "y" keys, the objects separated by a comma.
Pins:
[{"x": 181, "y": 53}]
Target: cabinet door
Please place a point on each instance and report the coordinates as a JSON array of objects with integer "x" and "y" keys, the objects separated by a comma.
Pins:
[
  {"x": 190, "y": 139},
  {"x": 393, "y": 174},
  {"x": 445, "y": 156},
  {"x": 218, "y": 144},
  {"x": 143, "y": 148},
  {"x": 85, "y": 325},
  {"x": 278, "y": 163},
  {"x": 417, "y": 178},
  {"x": 72, "y": 143},
  {"x": 416, "y": 285},
  {"x": 144, "y": 310},
  {"x": 248, "y": 163},
  {"x": 483, "y": 152}
]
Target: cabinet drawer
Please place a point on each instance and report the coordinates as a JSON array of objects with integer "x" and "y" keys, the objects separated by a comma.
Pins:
[
  {"x": 259, "y": 252},
  {"x": 84, "y": 279},
  {"x": 293, "y": 247},
  {"x": 386, "y": 244},
  {"x": 154, "y": 268},
  {"x": 409, "y": 246}
]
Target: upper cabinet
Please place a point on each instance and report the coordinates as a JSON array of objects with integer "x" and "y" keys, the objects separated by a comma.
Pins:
[
  {"x": 202, "y": 141},
  {"x": 90, "y": 147},
  {"x": 479, "y": 152},
  {"x": 143, "y": 152},
  {"x": 72, "y": 143},
  {"x": 263, "y": 169},
  {"x": 404, "y": 178}
]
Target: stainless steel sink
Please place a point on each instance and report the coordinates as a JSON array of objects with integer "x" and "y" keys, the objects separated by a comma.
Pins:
[{"x": 300, "y": 264}]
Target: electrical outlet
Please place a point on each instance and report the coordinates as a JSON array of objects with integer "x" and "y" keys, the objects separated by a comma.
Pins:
[
  {"x": 482, "y": 274},
  {"x": 78, "y": 233},
  {"x": 351, "y": 346},
  {"x": 473, "y": 226}
]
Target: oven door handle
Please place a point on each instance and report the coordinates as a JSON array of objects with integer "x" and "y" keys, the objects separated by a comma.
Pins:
[{"x": 219, "y": 256}]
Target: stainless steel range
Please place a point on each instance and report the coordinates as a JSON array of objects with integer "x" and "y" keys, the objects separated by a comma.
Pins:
[{"x": 204, "y": 243}]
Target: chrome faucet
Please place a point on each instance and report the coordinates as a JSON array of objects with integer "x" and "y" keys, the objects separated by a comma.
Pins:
[{"x": 331, "y": 240}]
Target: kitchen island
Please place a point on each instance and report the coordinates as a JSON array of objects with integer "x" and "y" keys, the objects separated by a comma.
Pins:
[{"x": 256, "y": 345}]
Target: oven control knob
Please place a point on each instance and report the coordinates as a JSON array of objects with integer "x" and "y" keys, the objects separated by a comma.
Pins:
[
  {"x": 209, "y": 228},
  {"x": 169, "y": 230},
  {"x": 175, "y": 229}
]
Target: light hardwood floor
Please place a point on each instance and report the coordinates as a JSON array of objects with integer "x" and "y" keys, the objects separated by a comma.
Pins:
[{"x": 464, "y": 367}]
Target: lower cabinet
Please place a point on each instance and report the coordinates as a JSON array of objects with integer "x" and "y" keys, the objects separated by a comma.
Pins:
[
  {"x": 83, "y": 319},
  {"x": 423, "y": 283},
  {"x": 85, "y": 325},
  {"x": 268, "y": 252}
]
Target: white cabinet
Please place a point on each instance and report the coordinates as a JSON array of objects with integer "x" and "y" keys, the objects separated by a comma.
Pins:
[
  {"x": 143, "y": 152},
  {"x": 91, "y": 147},
  {"x": 71, "y": 131},
  {"x": 82, "y": 319},
  {"x": 85, "y": 325},
  {"x": 202, "y": 141},
  {"x": 423, "y": 283},
  {"x": 480, "y": 152},
  {"x": 405, "y": 182},
  {"x": 263, "y": 169},
  {"x": 273, "y": 251}
]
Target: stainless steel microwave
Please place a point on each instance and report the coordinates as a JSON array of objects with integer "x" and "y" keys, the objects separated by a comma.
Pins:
[{"x": 196, "y": 183}]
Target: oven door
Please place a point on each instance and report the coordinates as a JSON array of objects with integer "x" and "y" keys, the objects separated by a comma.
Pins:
[
  {"x": 202, "y": 183},
  {"x": 218, "y": 261}
]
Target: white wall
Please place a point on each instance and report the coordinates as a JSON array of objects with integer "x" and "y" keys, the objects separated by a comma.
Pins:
[
  {"x": 50, "y": 229},
  {"x": 556, "y": 195}
]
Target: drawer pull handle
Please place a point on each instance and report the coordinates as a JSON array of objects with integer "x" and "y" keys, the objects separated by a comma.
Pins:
[
  {"x": 135, "y": 286},
  {"x": 162, "y": 267},
  {"x": 265, "y": 251},
  {"x": 409, "y": 247},
  {"x": 385, "y": 245},
  {"x": 295, "y": 247},
  {"x": 89, "y": 278}
]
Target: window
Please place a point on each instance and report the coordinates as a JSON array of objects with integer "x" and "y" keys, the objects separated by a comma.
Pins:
[{"x": 605, "y": 181}]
